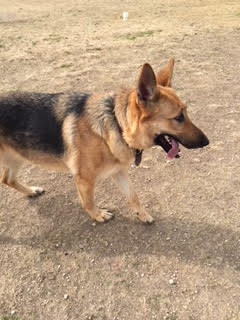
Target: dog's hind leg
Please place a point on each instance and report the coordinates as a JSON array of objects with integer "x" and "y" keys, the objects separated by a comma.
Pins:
[{"x": 10, "y": 166}]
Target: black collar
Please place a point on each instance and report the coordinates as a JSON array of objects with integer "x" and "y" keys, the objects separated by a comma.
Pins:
[{"x": 138, "y": 157}]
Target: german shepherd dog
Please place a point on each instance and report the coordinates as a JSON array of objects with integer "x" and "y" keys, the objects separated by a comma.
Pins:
[{"x": 94, "y": 136}]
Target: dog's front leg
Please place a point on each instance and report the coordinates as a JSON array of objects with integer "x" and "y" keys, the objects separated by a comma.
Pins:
[
  {"x": 86, "y": 193},
  {"x": 122, "y": 180}
]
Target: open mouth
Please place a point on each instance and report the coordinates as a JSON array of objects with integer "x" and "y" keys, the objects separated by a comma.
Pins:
[{"x": 169, "y": 144}]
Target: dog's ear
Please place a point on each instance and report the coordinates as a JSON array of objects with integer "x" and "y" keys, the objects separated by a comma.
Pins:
[
  {"x": 164, "y": 76},
  {"x": 147, "y": 85}
]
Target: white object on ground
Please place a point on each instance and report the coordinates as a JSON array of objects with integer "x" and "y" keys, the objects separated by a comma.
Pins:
[{"x": 125, "y": 15}]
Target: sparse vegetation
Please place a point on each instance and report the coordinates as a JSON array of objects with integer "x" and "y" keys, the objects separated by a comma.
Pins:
[
  {"x": 66, "y": 65},
  {"x": 171, "y": 317},
  {"x": 53, "y": 38},
  {"x": 9, "y": 318},
  {"x": 134, "y": 36}
]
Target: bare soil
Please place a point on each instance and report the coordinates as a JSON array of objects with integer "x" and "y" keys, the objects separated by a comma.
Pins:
[{"x": 54, "y": 262}]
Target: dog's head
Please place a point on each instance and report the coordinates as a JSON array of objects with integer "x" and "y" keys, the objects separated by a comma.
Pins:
[{"x": 157, "y": 116}]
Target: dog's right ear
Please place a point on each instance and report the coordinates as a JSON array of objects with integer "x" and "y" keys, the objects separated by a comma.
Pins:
[
  {"x": 147, "y": 85},
  {"x": 164, "y": 76}
]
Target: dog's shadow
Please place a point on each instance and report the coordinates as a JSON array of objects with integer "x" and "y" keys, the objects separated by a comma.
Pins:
[{"x": 68, "y": 229}]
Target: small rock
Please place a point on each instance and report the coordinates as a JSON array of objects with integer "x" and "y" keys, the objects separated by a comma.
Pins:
[
  {"x": 13, "y": 312},
  {"x": 94, "y": 224},
  {"x": 172, "y": 281},
  {"x": 66, "y": 296}
]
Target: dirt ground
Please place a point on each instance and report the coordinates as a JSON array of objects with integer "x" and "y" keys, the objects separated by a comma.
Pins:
[{"x": 54, "y": 262}]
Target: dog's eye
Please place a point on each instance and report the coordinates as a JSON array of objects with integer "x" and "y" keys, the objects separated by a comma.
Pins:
[{"x": 180, "y": 118}]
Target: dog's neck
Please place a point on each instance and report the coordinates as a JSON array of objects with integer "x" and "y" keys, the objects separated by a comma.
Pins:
[{"x": 120, "y": 111}]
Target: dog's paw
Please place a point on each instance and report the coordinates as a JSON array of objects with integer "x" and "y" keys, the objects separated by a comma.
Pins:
[
  {"x": 145, "y": 217},
  {"x": 35, "y": 192},
  {"x": 104, "y": 215}
]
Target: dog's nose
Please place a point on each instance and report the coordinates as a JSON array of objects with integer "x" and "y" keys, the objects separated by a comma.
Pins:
[{"x": 204, "y": 141}]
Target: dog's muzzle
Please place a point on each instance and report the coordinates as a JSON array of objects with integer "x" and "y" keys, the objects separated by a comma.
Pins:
[{"x": 169, "y": 144}]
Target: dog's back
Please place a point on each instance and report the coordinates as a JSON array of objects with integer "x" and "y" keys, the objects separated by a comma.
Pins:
[
  {"x": 28, "y": 121},
  {"x": 32, "y": 121}
]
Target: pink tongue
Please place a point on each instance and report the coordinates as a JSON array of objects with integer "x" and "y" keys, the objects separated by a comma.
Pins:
[{"x": 174, "y": 150}]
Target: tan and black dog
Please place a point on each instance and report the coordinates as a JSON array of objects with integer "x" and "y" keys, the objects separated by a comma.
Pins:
[{"x": 94, "y": 136}]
